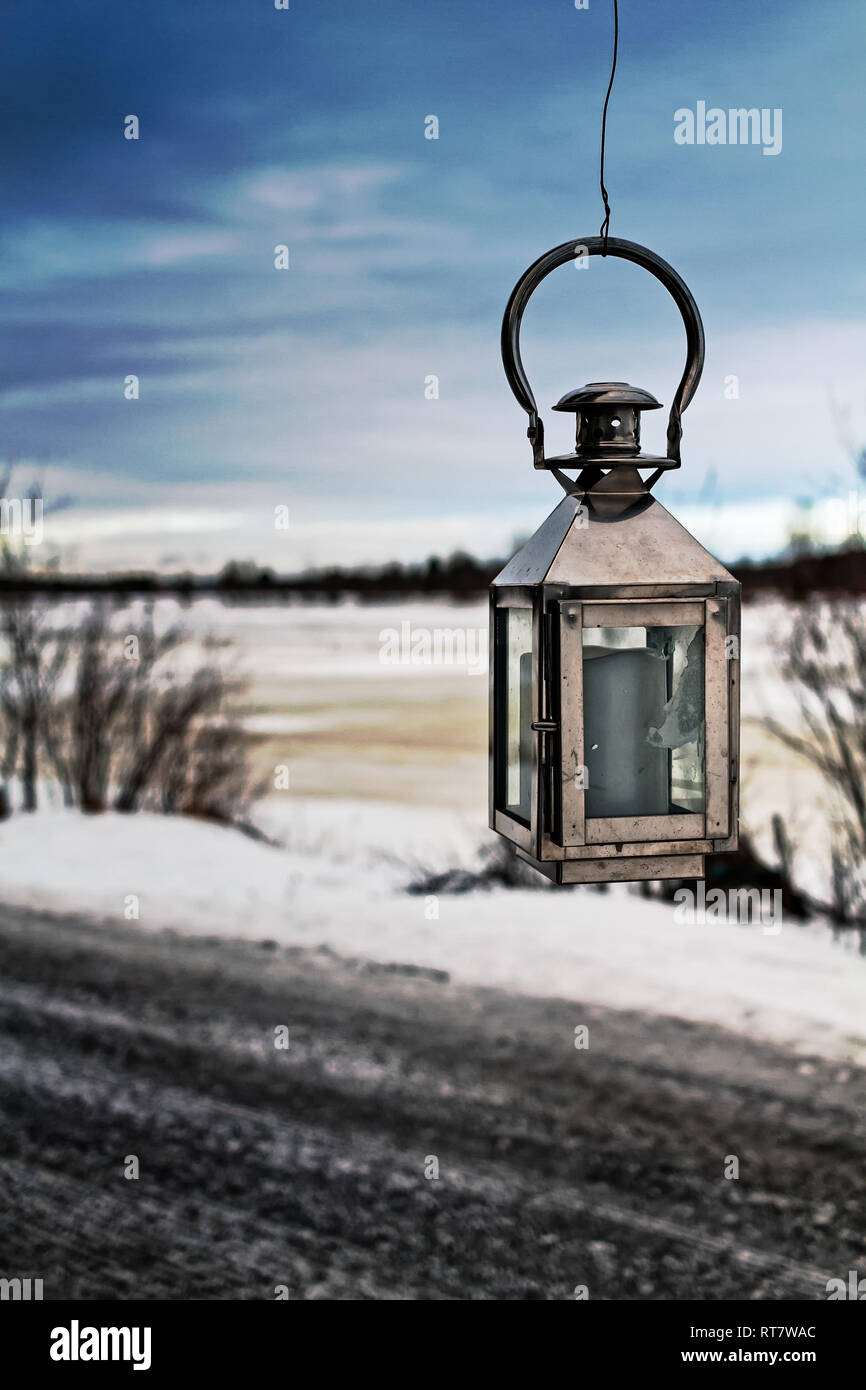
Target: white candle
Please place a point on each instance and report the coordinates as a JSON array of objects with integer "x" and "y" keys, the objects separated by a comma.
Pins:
[{"x": 624, "y": 695}]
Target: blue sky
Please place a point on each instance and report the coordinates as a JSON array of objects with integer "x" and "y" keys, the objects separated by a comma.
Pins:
[{"x": 305, "y": 387}]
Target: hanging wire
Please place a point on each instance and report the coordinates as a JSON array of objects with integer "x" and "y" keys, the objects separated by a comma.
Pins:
[{"x": 605, "y": 226}]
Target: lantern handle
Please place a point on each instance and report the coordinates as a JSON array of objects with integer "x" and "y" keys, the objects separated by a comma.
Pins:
[{"x": 627, "y": 251}]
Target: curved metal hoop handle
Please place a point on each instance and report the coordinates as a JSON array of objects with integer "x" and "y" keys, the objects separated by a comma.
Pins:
[{"x": 627, "y": 251}]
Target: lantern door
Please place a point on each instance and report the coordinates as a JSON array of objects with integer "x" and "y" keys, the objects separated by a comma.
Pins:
[
  {"x": 517, "y": 695},
  {"x": 644, "y": 723}
]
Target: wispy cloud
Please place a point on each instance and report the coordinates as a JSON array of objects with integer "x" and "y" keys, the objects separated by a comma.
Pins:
[
  {"x": 316, "y": 189},
  {"x": 178, "y": 247}
]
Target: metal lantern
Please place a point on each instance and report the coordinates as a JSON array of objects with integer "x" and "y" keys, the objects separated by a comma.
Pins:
[{"x": 614, "y": 673}]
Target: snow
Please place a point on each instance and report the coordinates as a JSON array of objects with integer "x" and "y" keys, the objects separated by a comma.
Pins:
[{"x": 339, "y": 882}]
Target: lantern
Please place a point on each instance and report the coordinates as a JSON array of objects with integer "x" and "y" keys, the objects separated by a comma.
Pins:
[{"x": 614, "y": 673}]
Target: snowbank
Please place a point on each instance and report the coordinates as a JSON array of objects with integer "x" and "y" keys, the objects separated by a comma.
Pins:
[{"x": 340, "y": 884}]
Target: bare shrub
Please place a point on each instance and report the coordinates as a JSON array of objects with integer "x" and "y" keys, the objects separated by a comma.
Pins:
[
  {"x": 824, "y": 660},
  {"x": 36, "y": 654},
  {"x": 498, "y": 867},
  {"x": 128, "y": 730}
]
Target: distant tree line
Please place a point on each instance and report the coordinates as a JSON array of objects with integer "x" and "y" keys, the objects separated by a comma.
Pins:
[{"x": 458, "y": 576}]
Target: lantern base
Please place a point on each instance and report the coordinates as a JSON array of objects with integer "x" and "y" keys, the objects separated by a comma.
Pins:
[{"x": 629, "y": 869}]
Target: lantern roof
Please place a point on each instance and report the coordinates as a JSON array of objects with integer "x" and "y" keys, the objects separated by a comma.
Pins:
[
  {"x": 607, "y": 393},
  {"x": 647, "y": 547}
]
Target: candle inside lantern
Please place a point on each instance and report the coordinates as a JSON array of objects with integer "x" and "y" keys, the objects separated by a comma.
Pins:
[
  {"x": 643, "y": 693},
  {"x": 624, "y": 695}
]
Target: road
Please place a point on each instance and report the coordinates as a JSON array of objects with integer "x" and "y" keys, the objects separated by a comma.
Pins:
[{"x": 307, "y": 1169}]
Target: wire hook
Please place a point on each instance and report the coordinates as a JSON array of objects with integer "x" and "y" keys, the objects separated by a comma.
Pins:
[{"x": 605, "y": 226}]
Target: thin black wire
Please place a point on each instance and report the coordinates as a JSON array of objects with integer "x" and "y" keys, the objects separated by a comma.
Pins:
[{"x": 605, "y": 226}]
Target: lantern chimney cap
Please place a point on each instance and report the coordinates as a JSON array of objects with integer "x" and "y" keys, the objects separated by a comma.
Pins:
[{"x": 607, "y": 393}]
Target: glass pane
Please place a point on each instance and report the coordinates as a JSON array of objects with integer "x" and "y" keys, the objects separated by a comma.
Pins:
[
  {"x": 643, "y": 709},
  {"x": 514, "y": 637}
]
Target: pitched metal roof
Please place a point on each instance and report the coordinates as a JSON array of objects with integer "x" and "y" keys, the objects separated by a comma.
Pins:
[{"x": 648, "y": 547}]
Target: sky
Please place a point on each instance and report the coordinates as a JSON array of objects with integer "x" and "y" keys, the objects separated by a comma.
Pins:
[{"x": 306, "y": 388}]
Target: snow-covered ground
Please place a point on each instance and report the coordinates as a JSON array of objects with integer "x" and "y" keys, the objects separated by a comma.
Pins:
[{"x": 339, "y": 882}]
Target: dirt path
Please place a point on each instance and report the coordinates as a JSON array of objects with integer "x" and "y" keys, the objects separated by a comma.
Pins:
[{"x": 305, "y": 1167}]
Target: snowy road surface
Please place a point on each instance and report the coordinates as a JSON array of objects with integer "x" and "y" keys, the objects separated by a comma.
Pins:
[{"x": 310, "y": 1167}]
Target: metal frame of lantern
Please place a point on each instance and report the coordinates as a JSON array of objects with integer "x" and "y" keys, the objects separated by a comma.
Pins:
[{"x": 610, "y": 559}]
